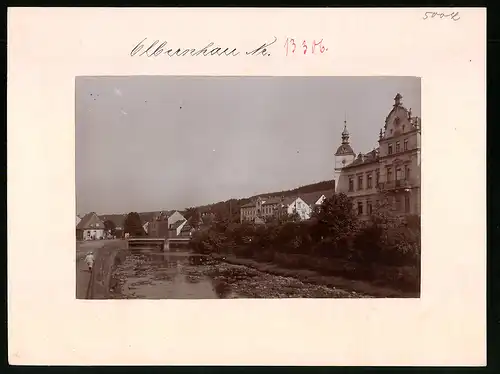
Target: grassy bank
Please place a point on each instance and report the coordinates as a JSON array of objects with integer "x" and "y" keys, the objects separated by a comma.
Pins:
[{"x": 315, "y": 277}]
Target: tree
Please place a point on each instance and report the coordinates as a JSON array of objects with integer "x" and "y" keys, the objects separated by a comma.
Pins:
[
  {"x": 193, "y": 216},
  {"x": 133, "y": 225},
  {"x": 384, "y": 212},
  {"x": 207, "y": 219},
  {"x": 335, "y": 217},
  {"x": 289, "y": 217},
  {"x": 110, "y": 226}
]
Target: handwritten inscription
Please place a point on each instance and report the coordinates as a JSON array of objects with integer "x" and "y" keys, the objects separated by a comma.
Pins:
[
  {"x": 263, "y": 49},
  {"x": 304, "y": 47},
  {"x": 157, "y": 48},
  {"x": 454, "y": 16}
]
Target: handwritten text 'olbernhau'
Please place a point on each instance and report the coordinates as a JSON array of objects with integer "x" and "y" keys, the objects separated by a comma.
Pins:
[{"x": 289, "y": 46}]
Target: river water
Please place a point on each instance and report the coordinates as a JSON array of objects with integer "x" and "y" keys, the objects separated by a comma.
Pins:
[{"x": 181, "y": 274}]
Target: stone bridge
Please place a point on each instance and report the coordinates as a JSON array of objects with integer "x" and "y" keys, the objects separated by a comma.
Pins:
[{"x": 163, "y": 243}]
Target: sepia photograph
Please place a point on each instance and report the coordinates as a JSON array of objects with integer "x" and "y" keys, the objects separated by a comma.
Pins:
[{"x": 226, "y": 187}]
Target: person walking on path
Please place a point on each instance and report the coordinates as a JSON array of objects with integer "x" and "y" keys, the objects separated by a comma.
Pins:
[{"x": 89, "y": 259}]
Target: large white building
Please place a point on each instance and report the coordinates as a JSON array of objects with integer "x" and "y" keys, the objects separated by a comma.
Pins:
[{"x": 392, "y": 168}]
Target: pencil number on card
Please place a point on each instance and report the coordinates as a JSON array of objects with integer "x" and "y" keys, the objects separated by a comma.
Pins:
[{"x": 294, "y": 46}]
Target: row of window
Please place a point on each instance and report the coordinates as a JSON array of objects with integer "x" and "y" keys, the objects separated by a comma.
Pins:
[
  {"x": 399, "y": 204},
  {"x": 400, "y": 174},
  {"x": 398, "y": 147},
  {"x": 265, "y": 210},
  {"x": 269, "y": 209}
]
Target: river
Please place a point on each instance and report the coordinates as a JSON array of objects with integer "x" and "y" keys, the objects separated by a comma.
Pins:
[{"x": 181, "y": 274}]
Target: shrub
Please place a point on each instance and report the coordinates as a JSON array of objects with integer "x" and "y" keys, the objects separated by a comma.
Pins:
[{"x": 334, "y": 241}]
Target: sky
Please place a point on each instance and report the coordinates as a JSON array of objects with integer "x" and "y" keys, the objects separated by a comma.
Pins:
[{"x": 147, "y": 143}]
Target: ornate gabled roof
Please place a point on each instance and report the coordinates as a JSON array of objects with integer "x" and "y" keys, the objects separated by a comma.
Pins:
[
  {"x": 344, "y": 149},
  {"x": 397, "y": 105}
]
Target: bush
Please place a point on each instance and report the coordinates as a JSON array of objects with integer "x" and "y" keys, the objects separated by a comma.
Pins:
[{"x": 334, "y": 241}]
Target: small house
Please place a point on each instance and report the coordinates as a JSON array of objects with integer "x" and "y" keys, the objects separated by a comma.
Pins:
[{"x": 91, "y": 227}]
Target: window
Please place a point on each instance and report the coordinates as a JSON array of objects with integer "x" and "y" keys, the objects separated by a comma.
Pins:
[
  {"x": 399, "y": 174},
  {"x": 389, "y": 174},
  {"x": 369, "y": 207},
  {"x": 397, "y": 147},
  {"x": 360, "y": 182},
  {"x": 377, "y": 176},
  {"x": 407, "y": 172},
  {"x": 407, "y": 204},
  {"x": 351, "y": 184},
  {"x": 405, "y": 145},
  {"x": 369, "y": 181},
  {"x": 398, "y": 204},
  {"x": 360, "y": 208},
  {"x": 389, "y": 149}
]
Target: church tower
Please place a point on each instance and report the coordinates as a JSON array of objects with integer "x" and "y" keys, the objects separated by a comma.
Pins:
[{"x": 344, "y": 155}]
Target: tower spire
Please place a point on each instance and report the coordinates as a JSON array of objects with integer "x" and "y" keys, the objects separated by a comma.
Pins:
[{"x": 345, "y": 133}]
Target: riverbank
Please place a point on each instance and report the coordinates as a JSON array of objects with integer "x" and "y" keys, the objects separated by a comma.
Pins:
[
  {"x": 147, "y": 274},
  {"x": 313, "y": 277}
]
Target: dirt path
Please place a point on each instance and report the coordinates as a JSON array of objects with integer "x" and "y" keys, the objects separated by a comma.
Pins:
[{"x": 102, "y": 249}]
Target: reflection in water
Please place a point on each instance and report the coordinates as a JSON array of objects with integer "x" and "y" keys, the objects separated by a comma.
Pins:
[{"x": 154, "y": 274}]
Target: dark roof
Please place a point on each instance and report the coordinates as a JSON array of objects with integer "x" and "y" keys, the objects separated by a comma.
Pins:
[
  {"x": 289, "y": 200},
  {"x": 90, "y": 221},
  {"x": 271, "y": 200},
  {"x": 248, "y": 205},
  {"x": 312, "y": 197},
  {"x": 186, "y": 227},
  {"x": 117, "y": 219},
  {"x": 344, "y": 149},
  {"x": 363, "y": 159},
  {"x": 148, "y": 216},
  {"x": 176, "y": 224}
]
